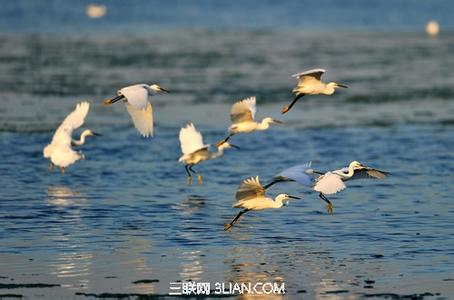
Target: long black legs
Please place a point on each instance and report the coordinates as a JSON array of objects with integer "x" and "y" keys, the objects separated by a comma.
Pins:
[
  {"x": 113, "y": 100},
  {"x": 287, "y": 108},
  {"x": 229, "y": 225},
  {"x": 276, "y": 180},
  {"x": 224, "y": 140},
  {"x": 189, "y": 169},
  {"x": 329, "y": 205},
  {"x": 186, "y": 167}
]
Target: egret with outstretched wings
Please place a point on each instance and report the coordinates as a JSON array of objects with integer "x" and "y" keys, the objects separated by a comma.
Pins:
[
  {"x": 310, "y": 83},
  {"x": 139, "y": 108},
  {"x": 251, "y": 195},
  {"x": 60, "y": 151}
]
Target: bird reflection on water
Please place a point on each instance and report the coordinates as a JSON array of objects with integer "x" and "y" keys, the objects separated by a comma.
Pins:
[{"x": 72, "y": 263}]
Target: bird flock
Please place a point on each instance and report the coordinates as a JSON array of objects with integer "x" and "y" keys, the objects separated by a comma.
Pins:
[{"x": 251, "y": 194}]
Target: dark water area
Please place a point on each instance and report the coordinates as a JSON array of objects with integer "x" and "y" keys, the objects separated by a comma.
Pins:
[
  {"x": 142, "y": 16},
  {"x": 124, "y": 221}
]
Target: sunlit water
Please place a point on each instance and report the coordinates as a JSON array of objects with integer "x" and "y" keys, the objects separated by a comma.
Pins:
[{"x": 126, "y": 214}]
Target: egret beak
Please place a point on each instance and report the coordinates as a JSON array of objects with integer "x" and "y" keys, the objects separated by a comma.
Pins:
[
  {"x": 341, "y": 85},
  {"x": 294, "y": 197},
  {"x": 234, "y": 146},
  {"x": 96, "y": 134},
  {"x": 223, "y": 141},
  {"x": 164, "y": 90},
  {"x": 277, "y": 121},
  {"x": 113, "y": 100}
]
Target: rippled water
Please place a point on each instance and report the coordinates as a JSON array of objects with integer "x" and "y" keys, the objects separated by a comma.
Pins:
[{"x": 125, "y": 213}]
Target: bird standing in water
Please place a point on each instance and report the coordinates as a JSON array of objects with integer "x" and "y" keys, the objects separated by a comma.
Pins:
[
  {"x": 139, "y": 108},
  {"x": 309, "y": 83},
  {"x": 59, "y": 151}
]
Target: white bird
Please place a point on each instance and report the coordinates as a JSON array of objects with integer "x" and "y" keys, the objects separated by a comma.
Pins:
[
  {"x": 309, "y": 83},
  {"x": 242, "y": 116},
  {"x": 195, "y": 151},
  {"x": 250, "y": 195},
  {"x": 327, "y": 183},
  {"x": 59, "y": 151},
  {"x": 139, "y": 108}
]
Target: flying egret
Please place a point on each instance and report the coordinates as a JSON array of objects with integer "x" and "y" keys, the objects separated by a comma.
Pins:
[
  {"x": 139, "y": 108},
  {"x": 242, "y": 116},
  {"x": 327, "y": 183},
  {"x": 59, "y": 151},
  {"x": 250, "y": 195},
  {"x": 195, "y": 151},
  {"x": 309, "y": 83}
]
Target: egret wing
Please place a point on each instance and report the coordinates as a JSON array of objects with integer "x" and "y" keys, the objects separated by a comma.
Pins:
[
  {"x": 311, "y": 77},
  {"x": 250, "y": 188},
  {"x": 75, "y": 119},
  {"x": 190, "y": 139},
  {"x": 329, "y": 183},
  {"x": 298, "y": 173},
  {"x": 243, "y": 110},
  {"x": 368, "y": 173},
  {"x": 137, "y": 95},
  {"x": 315, "y": 73},
  {"x": 142, "y": 119}
]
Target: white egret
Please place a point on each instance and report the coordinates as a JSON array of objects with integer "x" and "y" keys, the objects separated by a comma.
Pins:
[
  {"x": 139, "y": 108},
  {"x": 242, "y": 116},
  {"x": 59, "y": 151},
  {"x": 250, "y": 195},
  {"x": 309, "y": 83},
  {"x": 327, "y": 183},
  {"x": 195, "y": 151}
]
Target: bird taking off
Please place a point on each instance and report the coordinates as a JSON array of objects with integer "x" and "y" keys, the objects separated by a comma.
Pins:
[
  {"x": 251, "y": 195},
  {"x": 59, "y": 151},
  {"x": 309, "y": 83},
  {"x": 139, "y": 108},
  {"x": 242, "y": 116},
  {"x": 195, "y": 151},
  {"x": 327, "y": 183}
]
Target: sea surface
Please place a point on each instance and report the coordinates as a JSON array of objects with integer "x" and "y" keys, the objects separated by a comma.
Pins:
[{"x": 123, "y": 222}]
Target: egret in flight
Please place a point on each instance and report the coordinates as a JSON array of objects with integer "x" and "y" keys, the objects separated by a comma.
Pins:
[
  {"x": 139, "y": 108},
  {"x": 195, "y": 151},
  {"x": 59, "y": 151},
  {"x": 250, "y": 195},
  {"x": 327, "y": 183},
  {"x": 242, "y": 116},
  {"x": 309, "y": 83}
]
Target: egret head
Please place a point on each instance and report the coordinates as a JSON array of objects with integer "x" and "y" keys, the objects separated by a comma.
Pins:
[
  {"x": 269, "y": 120},
  {"x": 88, "y": 132},
  {"x": 156, "y": 88},
  {"x": 332, "y": 86},
  {"x": 284, "y": 197},
  {"x": 309, "y": 172},
  {"x": 355, "y": 165},
  {"x": 226, "y": 145}
]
